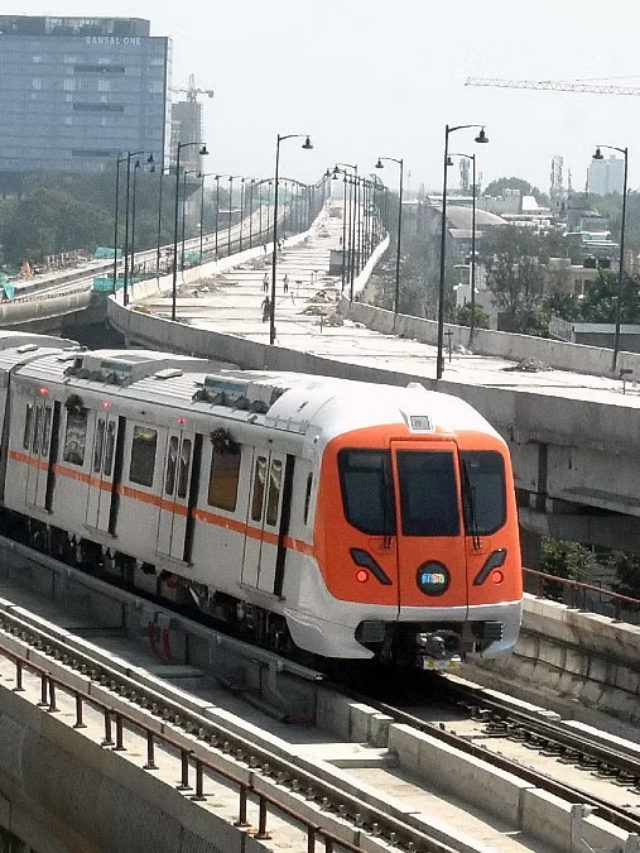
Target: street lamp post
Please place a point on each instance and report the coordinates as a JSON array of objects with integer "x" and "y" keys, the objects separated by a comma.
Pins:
[
  {"x": 252, "y": 182},
  {"x": 184, "y": 210},
  {"x": 115, "y": 236},
  {"x": 274, "y": 262},
  {"x": 132, "y": 250},
  {"x": 480, "y": 138},
  {"x": 380, "y": 165},
  {"x": 472, "y": 322},
  {"x": 598, "y": 156},
  {"x": 231, "y": 180},
  {"x": 162, "y": 172},
  {"x": 202, "y": 176},
  {"x": 126, "y": 222},
  {"x": 174, "y": 289}
]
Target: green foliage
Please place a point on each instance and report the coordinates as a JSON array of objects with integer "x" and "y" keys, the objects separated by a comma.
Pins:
[
  {"x": 627, "y": 568},
  {"x": 513, "y": 273},
  {"x": 564, "y": 559},
  {"x": 59, "y": 213},
  {"x": 496, "y": 188},
  {"x": 462, "y": 316}
]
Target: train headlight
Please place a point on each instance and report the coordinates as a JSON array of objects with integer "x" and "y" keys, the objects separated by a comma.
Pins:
[
  {"x": 497, "y": 576},
  {"x": 362, "y": 576}
]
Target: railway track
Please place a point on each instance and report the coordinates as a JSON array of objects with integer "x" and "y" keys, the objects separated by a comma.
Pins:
[{"x": 324, "y": 798}]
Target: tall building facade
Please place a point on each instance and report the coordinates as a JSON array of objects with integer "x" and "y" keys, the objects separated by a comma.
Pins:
[
  {"x": 606, "y": 176},
  {"x": 77, "y": 92}
]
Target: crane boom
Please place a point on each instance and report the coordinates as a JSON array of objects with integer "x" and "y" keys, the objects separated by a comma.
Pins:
[{"x": 554, "y": 85}]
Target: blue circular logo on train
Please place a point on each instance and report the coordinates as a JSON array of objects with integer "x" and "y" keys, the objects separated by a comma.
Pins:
[{"x": 433, "y": 578}]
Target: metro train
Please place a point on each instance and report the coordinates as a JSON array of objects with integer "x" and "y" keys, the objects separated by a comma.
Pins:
[{"x": 324, "y": 516}]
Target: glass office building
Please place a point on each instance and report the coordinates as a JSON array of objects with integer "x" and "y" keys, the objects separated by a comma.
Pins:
[{"x": 77, "y": 92}]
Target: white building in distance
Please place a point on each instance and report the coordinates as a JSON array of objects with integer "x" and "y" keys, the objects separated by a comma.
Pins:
[{"x": 606, "y": 176}]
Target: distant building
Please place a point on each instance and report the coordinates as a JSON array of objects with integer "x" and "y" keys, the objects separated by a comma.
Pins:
[
  {"x": 77, "y": 92},
  {"x": 605, "y": 176},
  {"x": 186, "y": 127}
]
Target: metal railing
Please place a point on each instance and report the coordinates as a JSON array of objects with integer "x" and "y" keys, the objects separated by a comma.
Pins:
[
  {"x": 193, "y": 766},
  {"x": 582, "y": 596}
]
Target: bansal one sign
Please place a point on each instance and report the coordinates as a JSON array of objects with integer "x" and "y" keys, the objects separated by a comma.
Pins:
[{"x": 113, "y": 41}]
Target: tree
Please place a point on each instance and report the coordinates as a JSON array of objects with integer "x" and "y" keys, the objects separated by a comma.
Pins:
[
  {"x": 497, "y": 187},
  {"x": 513, "y": 272},
  {"x": 463, "y": 316},
  {"x": 564, "y": 559}
]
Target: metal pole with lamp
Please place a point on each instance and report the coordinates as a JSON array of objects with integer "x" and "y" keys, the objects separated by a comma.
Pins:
[
  {"x": 380, "y": 165},
  {"x": 126, "y": 224},
  {"x": 162, "y": 172},
  {"x": 115, "y": 235},
  {"x": 616, "y": 337},
  {"x": 480, "y": 138},
  {"x": 174, "y": 289},
  {"x": 472, "y": 321},
  {"x": 274, "y": 262}
]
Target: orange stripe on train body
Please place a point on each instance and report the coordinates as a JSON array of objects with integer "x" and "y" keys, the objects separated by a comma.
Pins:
[{"x": 213, "y": 519}]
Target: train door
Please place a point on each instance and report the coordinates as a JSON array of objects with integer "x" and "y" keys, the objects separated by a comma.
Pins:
[
  {"x": 176, "y": 490},
  {"x": 268, "y": 521},
  {"x": 102, "y": 481},
  {"x": 37, "y": 442},
  {"x": 432, "y": 565}
]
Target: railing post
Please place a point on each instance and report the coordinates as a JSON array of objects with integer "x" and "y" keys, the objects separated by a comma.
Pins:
[
  {"x": 242, "y": 809},
  {"x": 108, "y": 740},
  {"x": 199, "y": 795},
  {"x": 18, "y": 688},
  {"x": 184, "y": 783},
  {"x": 119, "y": 747},
  {"x": 262, "y": 834},
  {"x": 53, "y": 708},
  {"x": 44, "y": 701},
  {"x": 79, "y": 723},
  {"x": 311, "y": 839},
  {"x": 151, "y": 764}
]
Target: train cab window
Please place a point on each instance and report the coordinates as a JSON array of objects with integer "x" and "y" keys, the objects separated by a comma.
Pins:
[
  {"x": 367, "y": 490},
  {"x": 75, "y": 437},
  {"x": 307, "y": 498},
  {"x": 172, "y": 463},
  {"x": 259, "y": 482},
  {"x": 110, "y": 448},
  {"x": 183, "y": 467},
  {"x": 143, "y": 455},
  {"x": 37, "y": 430},
  {"x": 484, "y": 490},
  {"x": 28, "y": 424},
  {"x": 46, "y": 431},
  {"x": 224, "y": 479},
  {"x": 273, "y": 496},
  {"x": 428, "y": 493},
  {"x": 98, "y": 446}
]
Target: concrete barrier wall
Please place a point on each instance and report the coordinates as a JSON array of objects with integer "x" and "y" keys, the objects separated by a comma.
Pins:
[{"x": 557, "y": 354}]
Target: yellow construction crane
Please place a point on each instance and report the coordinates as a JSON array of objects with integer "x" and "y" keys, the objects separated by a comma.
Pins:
[
  {"x": 192, "y": 91},
  {"x": 555, "y": 85}
]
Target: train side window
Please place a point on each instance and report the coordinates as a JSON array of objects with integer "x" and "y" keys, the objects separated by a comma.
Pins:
[
  {"x": 172, "y": 461},
  {"x": 224, "y": 479},
  {"x": 37, "y": 430},
  {"x": 75, "y": 438},
  {"x": 273, "y": 496},
  {"x": 110, "y": 449},
  {"x": 183, "y": 468},
  {"x": 307, "y": 498},
  {"x": 259, "y": 478},
  {"x": 143, "y": 455},
  {"x": 98, "y": 445},
  {"x": 46, "y": 432},
  {"x": 28, "y": 424}
]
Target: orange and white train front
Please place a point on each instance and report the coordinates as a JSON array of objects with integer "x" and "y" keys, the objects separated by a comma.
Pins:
[{"x": 415, "y": 537}]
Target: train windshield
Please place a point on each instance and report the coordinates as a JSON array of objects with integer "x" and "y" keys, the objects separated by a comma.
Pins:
[
  {"x": 367, "y": 490},
  {"x": 484, "y": 489},
  {"x": 428, "y": 493}
]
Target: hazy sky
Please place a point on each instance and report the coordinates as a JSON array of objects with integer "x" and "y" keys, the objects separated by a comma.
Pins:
[{"x": 366, "y": 77}]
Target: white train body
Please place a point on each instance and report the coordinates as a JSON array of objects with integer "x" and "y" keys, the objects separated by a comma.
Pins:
[{"x": 279, "y": 502}]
